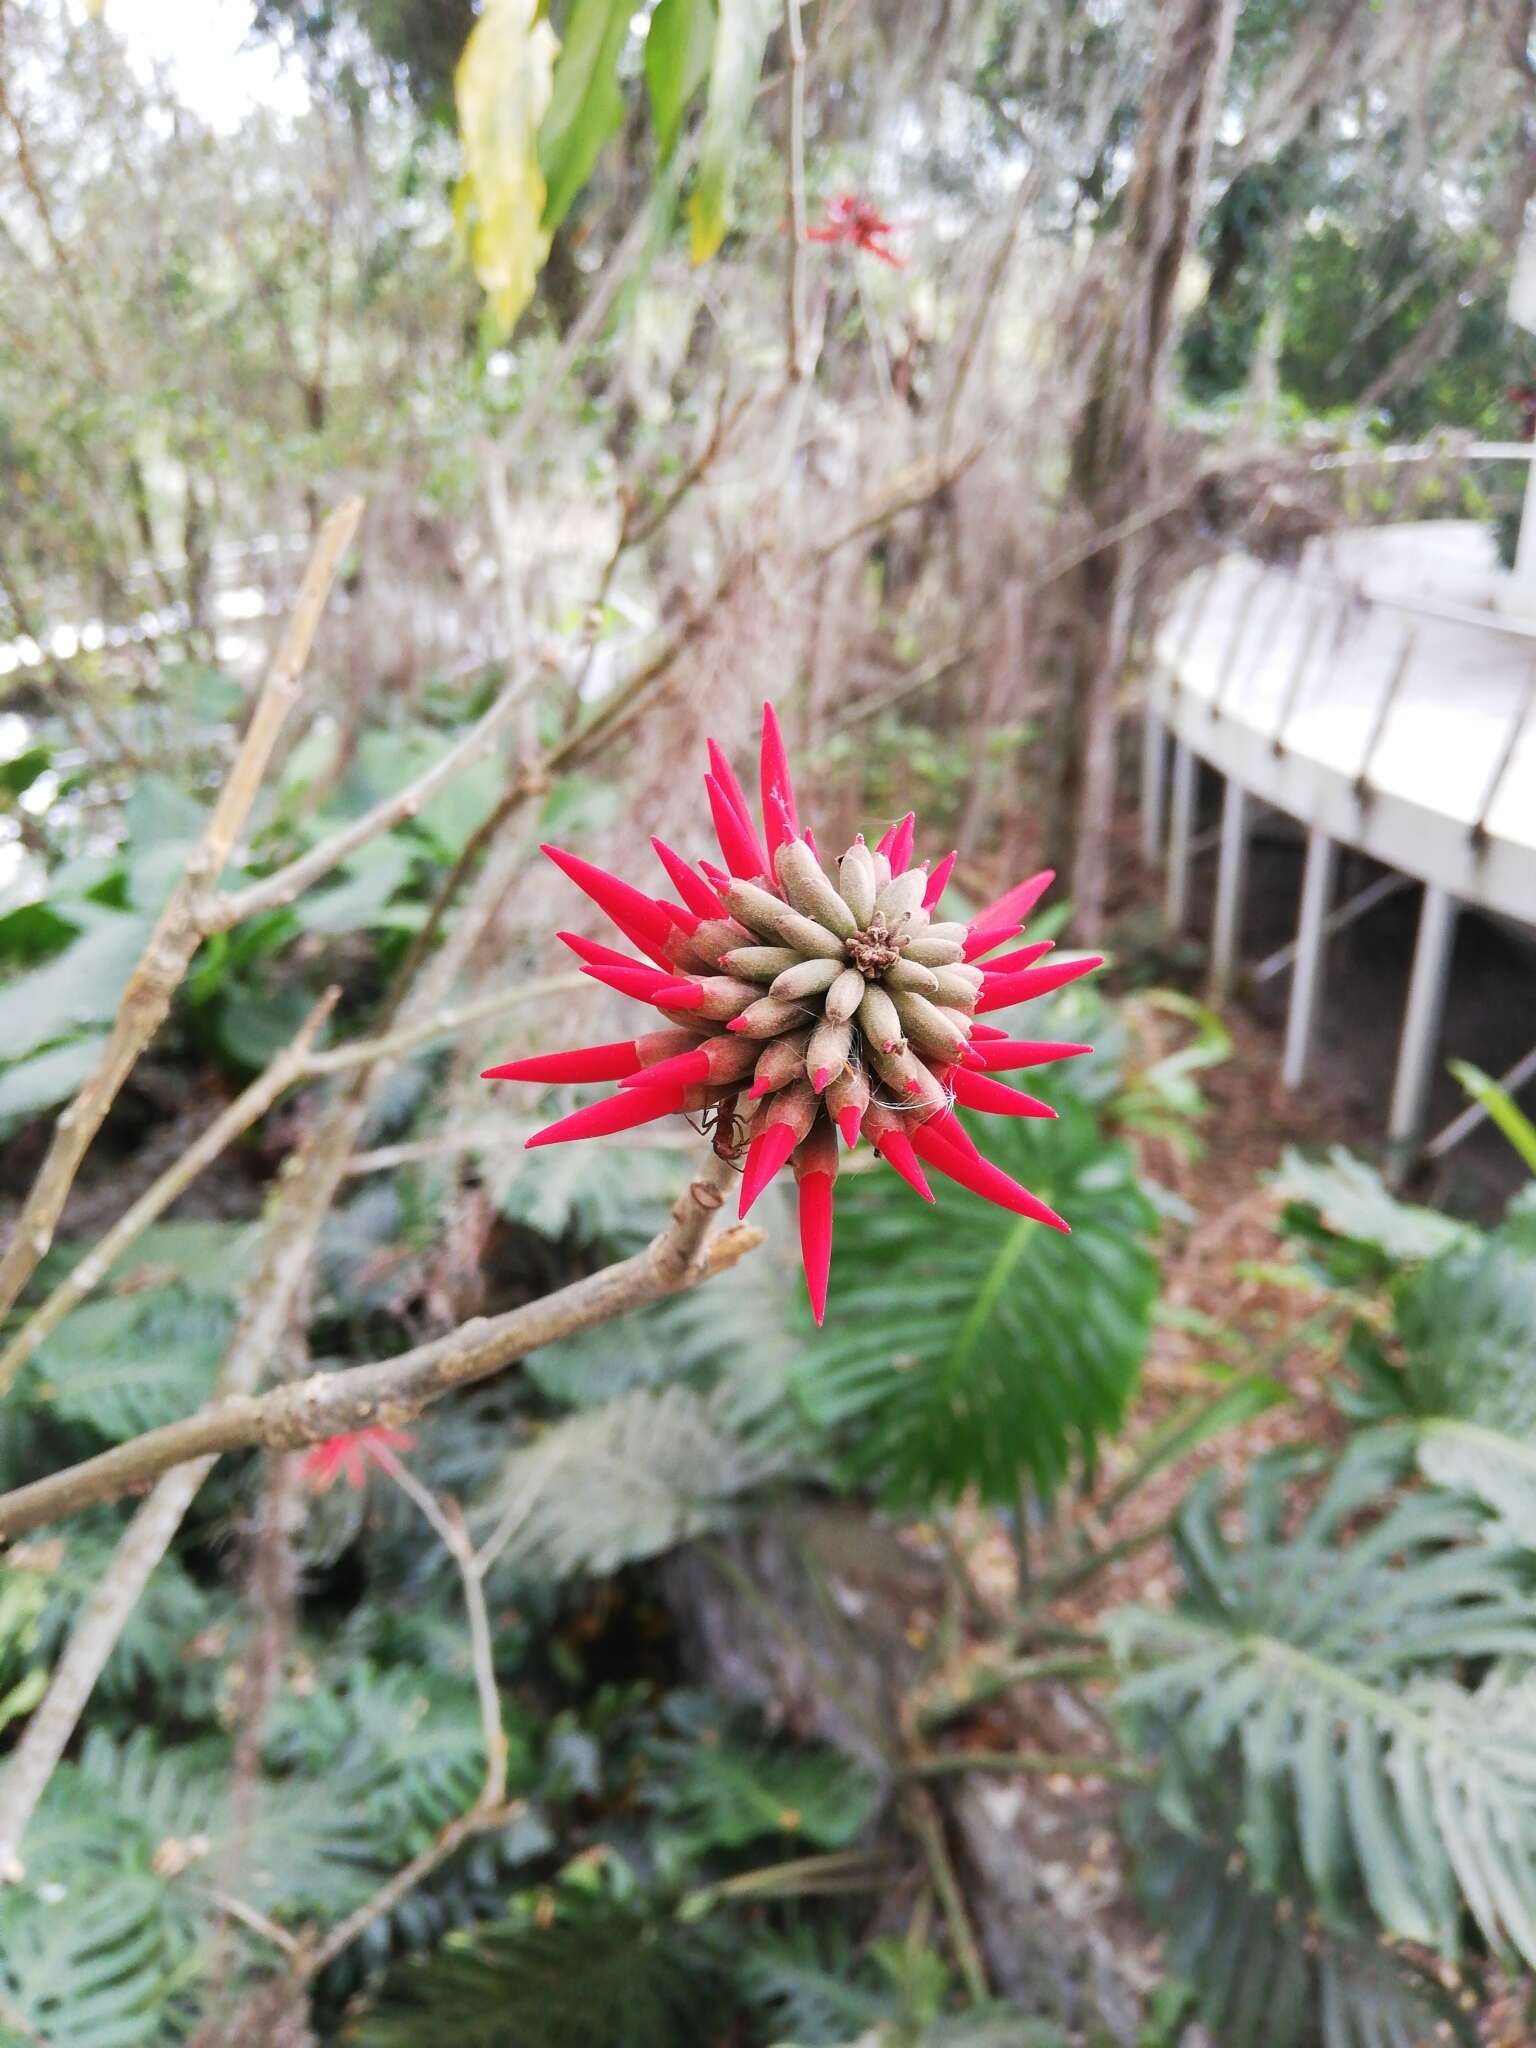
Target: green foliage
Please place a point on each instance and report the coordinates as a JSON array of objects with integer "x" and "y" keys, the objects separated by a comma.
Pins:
[
  {"x": 721, "y": 1790},
  {"x": 677, "y": 54},
  {"x": 586, "y": 106},
  {"x": 597, "y": 1972},
  {"x": 1321, "y": 1670},
  {"x": 971, "y": 1344},
  {"x": 1262, "y": 1975},
  {"x": 620, "y": 1482},
  {"x": 741, "y": 33}
]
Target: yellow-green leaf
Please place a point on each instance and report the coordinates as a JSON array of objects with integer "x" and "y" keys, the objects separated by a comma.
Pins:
[
  {"x": 586, "y": 106},
  {"x": 677, "y": 53},
  {"x": 502, "y": 90},
  {"x": 741, "y": 31}
]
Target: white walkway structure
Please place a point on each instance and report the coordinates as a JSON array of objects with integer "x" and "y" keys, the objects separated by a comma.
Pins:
[{"x": 1383, "y": 694}]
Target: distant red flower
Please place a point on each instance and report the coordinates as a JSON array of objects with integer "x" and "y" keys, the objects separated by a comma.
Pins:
[
  {"x": 860, "y": 223},
  {"x": 1523, "y": 398},
  {"x": 798, "y": 1007},
  {"x": 349, "y": 1456}
]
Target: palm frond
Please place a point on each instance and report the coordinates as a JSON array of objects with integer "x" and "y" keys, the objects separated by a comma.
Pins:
[{"x": 971, "y": 1345}]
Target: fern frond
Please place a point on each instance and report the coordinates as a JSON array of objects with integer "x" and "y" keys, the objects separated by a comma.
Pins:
[
  {"x": 598, "y": 1974},
  {"x": 624, "y": 1481}
]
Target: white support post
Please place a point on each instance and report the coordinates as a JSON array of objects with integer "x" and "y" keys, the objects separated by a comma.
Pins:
[
  {"x": 1231, "y": 877},
  {"x": 1311, "y": 953},
  {"x": 1421, "y": 1028},
  {"x": 1180, "y": 833},
  {"x": 1154, "y": 781}
]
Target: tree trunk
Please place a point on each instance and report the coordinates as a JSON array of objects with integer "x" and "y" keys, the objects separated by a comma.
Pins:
[{"x": 1113, "y": 464}]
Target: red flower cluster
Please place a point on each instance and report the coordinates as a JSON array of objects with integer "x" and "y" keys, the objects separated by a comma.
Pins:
[
  {"x": 349, "y": 1456},
  {"x": 798, "y": 1008},
  {"x": 861, "y": 224}
]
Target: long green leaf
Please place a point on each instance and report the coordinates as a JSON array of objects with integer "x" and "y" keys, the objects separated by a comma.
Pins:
[
  {"x": 741, "y": 33},
  {"x": 677, "y": 54},
  {"x": 585, "y": 105}
]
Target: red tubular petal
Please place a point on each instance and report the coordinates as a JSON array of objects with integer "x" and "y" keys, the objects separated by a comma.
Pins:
[
  {"x": 697, "y": 894},
  {"x": 810, "y": 840},
  {"x": 996, "y": 1098},
  {"x": 596, "y": 955},
  {"x": 743, "y": 851},
  {"x": 639, "y": 917},
  {"x": 985, "y": 938},
  {"x": 1003, "y": 1055},
  {"x": 947, "y": 1130},
  {"x": 647, "y": 986},
  {"x": 938, "y": 881},
  {"x": 1015, "y": 904},
  {"x": 849, "y": 1121},
  {"x": 987, "y": 1031},
  {"x": 1034, "y": 981},
  {"x": 716, "y": 877},
  {"x": 1016, "y": 962},
  {"x": 765, "y": 1155},
  {"x": 883, "y": 843},
  {"x": 684, "y": 1070},
  {"x": 895, "y": 1148},
  {"x": 620, "y": 1112},
  {"x": 585, "y": 1063},
  {"x": 900, "y": 848},
  {"x": 781, "y": 821},
  {"x": 736, "y": 798},
  {"x": 986, "y": 1180},
  {"x": 816, "y": 1238}
]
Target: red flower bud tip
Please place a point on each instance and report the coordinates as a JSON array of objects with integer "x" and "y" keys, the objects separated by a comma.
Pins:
[
  {"x": 820, "y": 1079},
  {"x": 639, "y": 917},
  {"x": 895, "y": 1148},
  {"x": 744, "y": 855},
  {"x": 762, "y": 1084},
  {"x": 816, "y": 1239},
  {"x": 849, "y": 1122},
  {"x": 737, "y": 1024},
  {"x": 683, "y": 1070},
  {"x": 984, "y": 1179},
  {"x": 620, "y": 1112},
  {"x": 1016, "y": 962},
  {"x": 987, "y": 1031},
  {"x": 588, "y": 1063},
  {"x": 1015, "y": 904},
  {"x": 765, "y": 1155},
  {"x": 1002, "y": 1055},
  {"x": 1035, "y": 981},
  {"x": 970, "y": 1056},
  {"x": 648, "y": 986},
  {"x": 996, "y": 1098},
  {"x": 596, "y": 955},
  {"x": 900, "y": 848},
  {"x": 938, "y": 881},
  {"x": 810, "y": 840},
  {"x": 686, "y": 920},
  {"x": 985, "y": 938},
  {"x": 778, "y": 789},
  {"x": 731, "y": 788},
  {"x": 697, "y": 894},
  {"x": 883, "y": 844},
  {"x": 716, "y": 877}
]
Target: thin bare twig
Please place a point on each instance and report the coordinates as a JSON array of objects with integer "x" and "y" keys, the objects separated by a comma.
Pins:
[
  {"x": 794, "y": 180},
  {"x": 296, "y": 1063},
  {"x": 179, "y": 928}
]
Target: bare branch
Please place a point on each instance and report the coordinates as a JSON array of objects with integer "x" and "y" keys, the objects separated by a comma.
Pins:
[
  {"x": 396, "y": 1389},
  {"x": 273, "y": 891},
  {"x": 179, "y": 928}
]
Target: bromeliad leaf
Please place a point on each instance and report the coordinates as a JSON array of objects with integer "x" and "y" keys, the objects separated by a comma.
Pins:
[{"x": 502, "y": 90}]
